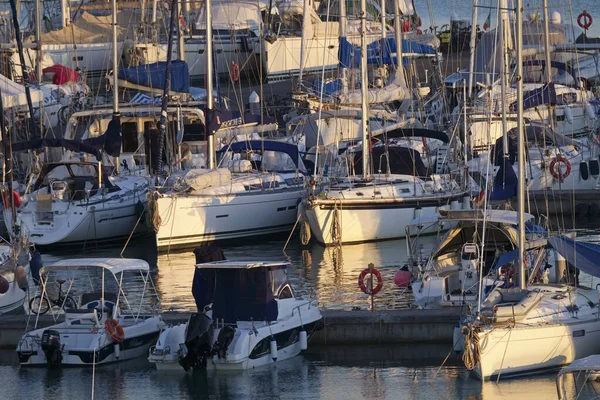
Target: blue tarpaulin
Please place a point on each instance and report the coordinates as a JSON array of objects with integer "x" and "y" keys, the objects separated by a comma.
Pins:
[
  {"x": 154, "y": 75},
  {"x": 584, "y": 256},
  {"x": 381, "y": 51},
  {"x": 328, "y": 87},
  {"x": 506, "y": 258},
  {"x": 536, "y": 97}
]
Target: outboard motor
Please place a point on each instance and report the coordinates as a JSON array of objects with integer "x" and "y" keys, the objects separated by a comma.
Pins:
[
  {"x": 224, "y": 339},
  {"x": 52, "y": 347},
  {"x": 198, "y": 335}
]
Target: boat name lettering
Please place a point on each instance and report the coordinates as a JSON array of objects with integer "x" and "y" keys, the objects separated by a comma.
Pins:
[{"x": 232, "y": 122}]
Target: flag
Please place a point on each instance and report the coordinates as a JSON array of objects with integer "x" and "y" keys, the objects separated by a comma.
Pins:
[
  {"x": 478, "y": 201},
  {"x": 486, "y": 24}
]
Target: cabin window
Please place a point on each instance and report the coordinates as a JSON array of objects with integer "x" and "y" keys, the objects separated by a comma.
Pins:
[
  {"x": 278, "y": 280},
  {"x": 129, "y": 134}
]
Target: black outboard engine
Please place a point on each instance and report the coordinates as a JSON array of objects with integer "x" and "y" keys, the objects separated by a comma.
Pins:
[
  {"x": 223, "y": 341},
  {"x": 198, "y": 335},
  {"x": 52, "y": 348}
]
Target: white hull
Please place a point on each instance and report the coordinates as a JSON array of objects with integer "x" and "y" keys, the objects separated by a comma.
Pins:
[
  {"x": 190, "y": 219},
  {"x": 526, "y": 351},
  {"x": 79, "y": 344},
  {"x": 372, "y": 220}
]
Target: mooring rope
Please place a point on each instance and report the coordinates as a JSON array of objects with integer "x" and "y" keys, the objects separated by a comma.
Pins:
[
  {"x": 471, "y": 355},
  {"x": 153, "y": 221}
]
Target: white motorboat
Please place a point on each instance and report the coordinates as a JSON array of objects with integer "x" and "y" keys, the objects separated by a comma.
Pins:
[
  {"x": 477, "y": 245},
  {"x": 14, "y": 281},
  {"x": 107, "y": 327},
  {"x": 586, "y": 367},
  {"x": 248, "y": 325},
  {"x": 249, "y": 197},
  {"x": 74, "y": 201}
]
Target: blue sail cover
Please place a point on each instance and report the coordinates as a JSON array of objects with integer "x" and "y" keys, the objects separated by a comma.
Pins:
[
  {"x": 506, "y": 258},
  {"x": 328, "y": 87},
  {"x": 381, "y": 51},
  {"x": 536, "y": 97},
  {"x": 267, "y": 145},
  {"x": 505, "y": 182},
  {"x": 154, "y": 75},
  {"x": 584, "y": 256}
]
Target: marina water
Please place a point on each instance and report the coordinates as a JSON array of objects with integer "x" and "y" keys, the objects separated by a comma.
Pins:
[{"x": 350, "y": 372}]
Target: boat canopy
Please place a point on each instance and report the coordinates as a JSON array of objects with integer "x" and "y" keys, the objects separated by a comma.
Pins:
[
  {"x": 154, "y": 75},
  {"x": 112, "y": 265},
  {"x": 417, "y": 132},
  {"x": 240, "y": 290},
  {"x": 400, "y": 160},
  {"x": 583, "y": 255},
  {"x": 110, "y": 142},
  {"x": 545, "y": 94},
  {"x": 264, "y": 145},
  {"x": 506, "y": 217}
]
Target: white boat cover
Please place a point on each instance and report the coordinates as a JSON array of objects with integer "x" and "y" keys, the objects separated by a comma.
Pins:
[
  {"x": 589, "y": 363},
  {"x": 395, "y": 91},
  {"x": 113, "y": 265},
  {"x": 88, "y": 28},
  {"x": 13, "y": 94},
  {"x": 199, "y": 179}
]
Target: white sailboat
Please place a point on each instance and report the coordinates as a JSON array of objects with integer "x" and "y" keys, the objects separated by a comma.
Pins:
[
  {"x": 381, "y": 204},
  {"x": 532, "y": 328}
]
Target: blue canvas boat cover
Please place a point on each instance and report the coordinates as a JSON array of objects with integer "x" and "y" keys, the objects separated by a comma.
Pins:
[
  {"x": 267, "y": 145},
  {"x": 154, "y": 75},
  {"x": 506, "y": 258},
  {"x": 536, "y": 97},
  {"x": 381, "y": 51},
  {"x": 505, "y": 182},
  {"x": 584, "y": 256}
]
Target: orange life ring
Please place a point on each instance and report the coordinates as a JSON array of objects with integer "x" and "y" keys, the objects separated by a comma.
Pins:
[
  {"x": 361, "y": 281},
  {"x": 16, "y": 199},
  {"x": 557, "y": 171},
  {"x": 235, "y": 72},
  {"x": 585, "y": 20},
  {"x": 114, "y": 330}
]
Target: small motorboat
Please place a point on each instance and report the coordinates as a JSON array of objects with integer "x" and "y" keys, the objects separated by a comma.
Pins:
[
  {"x": 250, "y": 318},
  {"x": 107, "y": 327},
  {"x": 587, "y": 367}
]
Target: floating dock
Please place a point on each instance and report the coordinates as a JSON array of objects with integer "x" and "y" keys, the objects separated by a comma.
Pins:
[{"x": 340, "y": 327}]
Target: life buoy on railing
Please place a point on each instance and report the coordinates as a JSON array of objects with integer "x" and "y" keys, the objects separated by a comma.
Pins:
[
  {"x": 114, "y": 330},
  {"x": 419, "y": 32},
  {"x": 363, "y": 286},
  {"x": 557, "y": 171},
  {"x": 584, "y": 20},
  {"x": 235, "y": 72},
  {"x": 6, "y": 200}
]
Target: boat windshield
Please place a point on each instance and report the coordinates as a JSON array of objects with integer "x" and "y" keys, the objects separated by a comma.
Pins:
[{"x": 78, "y": 177}]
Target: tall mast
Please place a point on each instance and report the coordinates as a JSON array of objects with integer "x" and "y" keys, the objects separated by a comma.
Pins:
[
  {"x": 472, "y": 48},
  {"x": 32, "y": 124},
  {"x": 548, "y": 59},
  {"x": 38, "y": 34},
  {"x": 180, "y": 38},
  {"x": 115, "y": 60},
  {"x": 398, "y": 37},
  {"x": 306, "y": 25},
  {"x": 364, "y": 88},
  {"x": 521, "y": 139},
  {"x": 504, "y": 44},
  {"x": 209, "y": 87},
  {"x": 343, "y": 20}
]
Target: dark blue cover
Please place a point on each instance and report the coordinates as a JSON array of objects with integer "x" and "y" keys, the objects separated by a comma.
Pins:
[
  {"x": 505, "y": 182},
  {"x": 417, "y": 132},
  {"x": 506, "y": 258},
  {"x": 584, "y": 256},
  {"x": 243, "y": 294},
  {"x": 268, "y": 145},
  {"x": 154, "y": 75},
  {"x": 381, "y": 51},
  {"x": 111, "y": 140},
  {"x": 542, "y": 95},
  {"x": 73, "y": 145}
]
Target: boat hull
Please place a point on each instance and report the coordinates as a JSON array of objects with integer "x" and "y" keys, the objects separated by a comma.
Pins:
[
  {"x": 190, "y": 220},
  {"x": 515, "y": 352}
]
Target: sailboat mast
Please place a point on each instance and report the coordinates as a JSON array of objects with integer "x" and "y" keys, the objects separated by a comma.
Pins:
[
  {"x": 306, "y": 15},
  {"x": 504, "y": 45},
  {"x": 521, "y": 139},
  {"x": 398, "y": 37},
  {"x": 548, "y": 59},
  {"x": 115, "y": 59},
  {"x": 364, "y": 88},
  {"x": 472, "y": 44},
  {"x": 38, "y": 34},
  {"x": 211, "y": 150}
]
